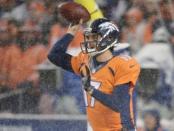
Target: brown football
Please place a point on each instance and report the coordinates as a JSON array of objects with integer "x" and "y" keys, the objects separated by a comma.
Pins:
[{"x": 73, "y": 12}]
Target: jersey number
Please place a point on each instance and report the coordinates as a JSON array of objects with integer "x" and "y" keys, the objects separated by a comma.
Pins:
[{"x": 91, "y": 103}]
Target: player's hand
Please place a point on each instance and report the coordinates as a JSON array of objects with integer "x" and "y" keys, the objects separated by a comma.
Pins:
[
  {"x": 86, "y": 78},
  {"x": 73, "y": 29}
]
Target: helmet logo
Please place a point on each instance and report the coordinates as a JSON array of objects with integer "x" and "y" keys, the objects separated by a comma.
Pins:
[{"x": 108, "y": 27}]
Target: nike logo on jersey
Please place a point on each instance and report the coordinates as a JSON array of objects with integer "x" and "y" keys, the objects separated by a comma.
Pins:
[{"x": 131, "y": 66}]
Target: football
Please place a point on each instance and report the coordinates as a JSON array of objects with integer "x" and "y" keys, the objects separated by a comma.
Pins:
[{"x": 73, "y": 12}]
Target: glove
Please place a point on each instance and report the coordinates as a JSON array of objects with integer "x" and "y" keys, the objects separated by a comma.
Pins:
[{"x": 86, "y": 78}]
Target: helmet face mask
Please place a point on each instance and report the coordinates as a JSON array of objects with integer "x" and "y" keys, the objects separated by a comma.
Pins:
[
  {"x": 100, "y": 37},
  {"x": 90, "y": 44}
]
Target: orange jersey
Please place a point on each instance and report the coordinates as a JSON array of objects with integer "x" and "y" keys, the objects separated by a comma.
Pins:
[{"x": 119, "y": 70}]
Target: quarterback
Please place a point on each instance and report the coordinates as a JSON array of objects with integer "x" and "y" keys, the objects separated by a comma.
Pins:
[{"x": 108, "y": 80}]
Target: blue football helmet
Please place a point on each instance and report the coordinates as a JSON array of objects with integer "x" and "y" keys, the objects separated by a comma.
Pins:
[{"x": 105, "y": 35}]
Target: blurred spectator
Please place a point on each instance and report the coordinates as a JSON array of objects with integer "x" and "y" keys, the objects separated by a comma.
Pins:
[
  {"x": 148, "y": 31},
  {"x": 30, "y": 34},
  {"x": 161, "y": 60},
  {"x": 151, "y": 15},
  {"x": 134, "y": 30},
  {"x": 14, "y": 9},
  {"x": 13, "y": 28},
  {"x": 164, "y": 8},
  {"x": 6, "y": 6},
  {"x": 10, "y": 55},
  {"x": 39, "y": 12},
  {"x": 34, "y": 52},
  {"x": 152, "y": 121},
  {"x": 150, "y": 7}
]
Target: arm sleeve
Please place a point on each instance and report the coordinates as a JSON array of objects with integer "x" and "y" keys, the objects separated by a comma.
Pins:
[
  {"x": 118, "y": 101},
  {"x": 58, "y": 55}
]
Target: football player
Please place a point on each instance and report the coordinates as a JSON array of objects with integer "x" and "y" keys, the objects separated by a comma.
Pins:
[{"x": 108, "y": 80}]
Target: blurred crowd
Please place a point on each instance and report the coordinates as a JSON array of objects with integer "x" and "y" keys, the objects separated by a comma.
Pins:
[{"x": 28, "y": 28}]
